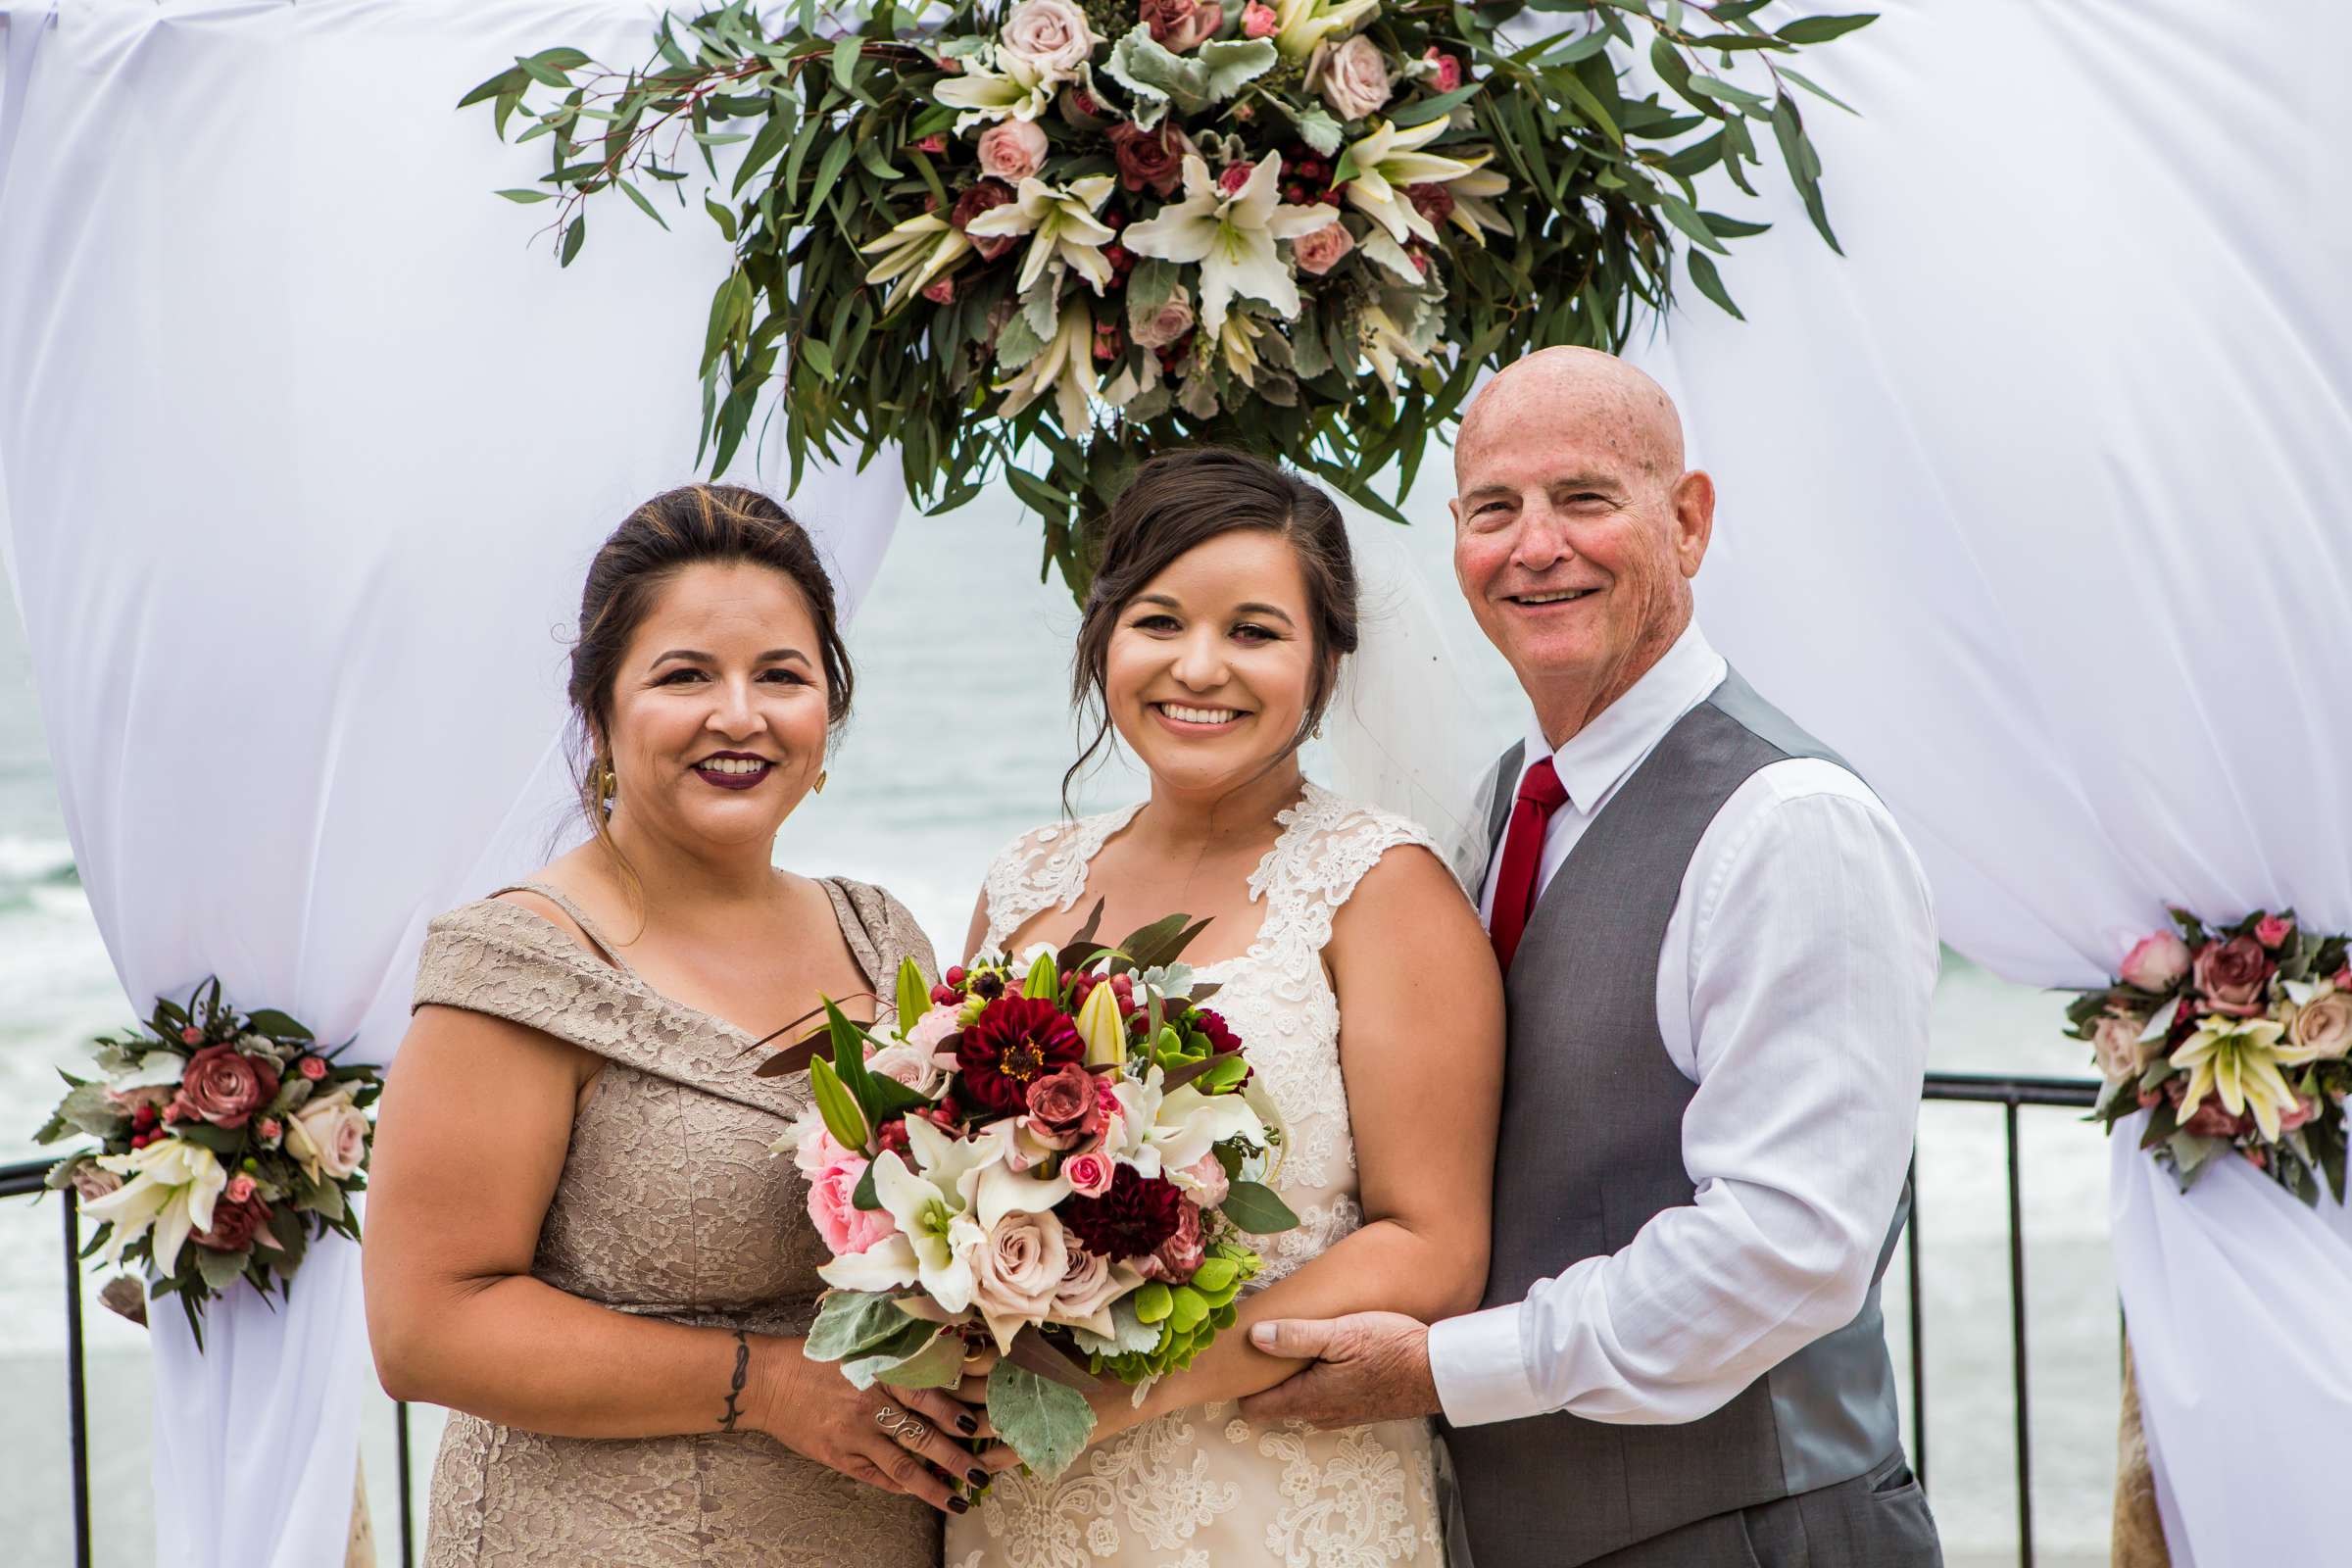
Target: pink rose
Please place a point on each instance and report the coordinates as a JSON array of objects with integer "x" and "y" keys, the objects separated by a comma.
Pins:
[
  {"x": 941, "y": 290},
  {"x": 2213, "y": 1120},
  {"x": 2156, "y": 963},
  {"x": 1181, "y": 26},
  {"x": 1260, "y": 20},
  {"x": 1233, "y": 177},
  {"x": 239, "y": 1188},
  {"x": 1089, "y": 1282},
  {"x": 1351, "y": 77},
  {"x": 818, "y": 1150},
  {"x": 1449, "y": 70},
  {"x": 2323, "y": 1025},
  {"x": 2271, "y": 931},
  {"x": 2343, "y": 978},
  {"x": 1322, "y": 250},
  {"x": 1049, "y": 38},
  {"x": 1206, "y": 1177},
  {"x": 2230, "y": 975},
  {"x": 1012, "y": 149},
  {"x": 2303, "y": 1111},
  {"x": 271, "y": 1129},
  {"x": 310, "y": 1067},
  {"x": 93, "y": 1181},
  {"x": 1165, "y": 327},
  {"x": 225, "y": 1087},
  {"x": 1065, "y": 1107},
  {"x": 2115, "y": 1040},
  {"x": 189, "y": 1035},
  {"x": 1017, "y": 1271},
  {"x": 328, "y": 1136},
  {"x": 933, "y": 143},
  {"x": 845, "y": 1227},
  {"x": 1178, "y": 1257},
  {"x": 1090, "y": 1173}
]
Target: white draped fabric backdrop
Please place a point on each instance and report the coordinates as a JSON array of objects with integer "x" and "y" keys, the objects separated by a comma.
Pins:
[{"x": 2030, "y": 505}]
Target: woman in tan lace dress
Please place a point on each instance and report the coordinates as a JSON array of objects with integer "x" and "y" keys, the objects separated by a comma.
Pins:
[{"x": 577, "y": 1237}]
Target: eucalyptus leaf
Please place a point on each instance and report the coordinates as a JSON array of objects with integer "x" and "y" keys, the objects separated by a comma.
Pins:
[{"x": 1256, "y": 1208}]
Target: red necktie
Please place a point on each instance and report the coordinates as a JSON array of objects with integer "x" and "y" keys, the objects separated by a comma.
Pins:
[{"x": 1540, "y": 794}]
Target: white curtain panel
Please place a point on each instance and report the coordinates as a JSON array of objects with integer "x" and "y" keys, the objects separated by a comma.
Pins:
[
  {"x": 304, "y": 448},
  {"x": 2036, "y": 507}
]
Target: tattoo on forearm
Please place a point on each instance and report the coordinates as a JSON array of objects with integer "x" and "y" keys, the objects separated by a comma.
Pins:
[{"x": 742, "y": 1368}]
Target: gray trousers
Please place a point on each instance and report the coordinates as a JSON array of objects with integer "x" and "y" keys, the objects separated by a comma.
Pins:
[{"x": 1878, "y": 1520}]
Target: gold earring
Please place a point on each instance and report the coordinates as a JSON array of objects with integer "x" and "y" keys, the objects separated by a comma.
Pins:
[
  {"x": 607, "y": 783},
  {"x": 820, "y": 781}
]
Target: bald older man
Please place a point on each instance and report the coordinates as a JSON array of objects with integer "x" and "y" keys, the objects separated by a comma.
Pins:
[{"x": 1718, "y": 955}]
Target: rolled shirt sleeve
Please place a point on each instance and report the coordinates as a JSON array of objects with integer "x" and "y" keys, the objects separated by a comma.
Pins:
[{"x": 1811, "y": 960}]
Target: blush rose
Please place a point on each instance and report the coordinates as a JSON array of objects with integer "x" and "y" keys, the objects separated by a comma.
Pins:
[
  {"x": 1012, "y": 149},
  {"x": 845, "y": 1227},
  {"x": 2156, "y": 963},
  {"x": 1351, "y": 77}
]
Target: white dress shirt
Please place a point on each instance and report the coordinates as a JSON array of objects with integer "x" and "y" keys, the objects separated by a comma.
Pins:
[{"x": 1793, "y": 986}]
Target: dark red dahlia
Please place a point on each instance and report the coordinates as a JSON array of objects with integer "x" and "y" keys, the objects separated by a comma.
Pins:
[
  {"x": 1221, "y": 1038},
  {"x": 1014, "y": 1042},
  {"x": 1132, "y": 1220}
]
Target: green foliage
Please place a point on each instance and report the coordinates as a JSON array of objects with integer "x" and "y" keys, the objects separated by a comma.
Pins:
[
  {"x": 1045, "y": 1422},
  {"x": 827, "y": 142}
]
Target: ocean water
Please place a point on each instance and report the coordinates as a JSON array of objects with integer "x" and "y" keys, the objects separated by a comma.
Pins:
[{"x": 957, "y": 601}]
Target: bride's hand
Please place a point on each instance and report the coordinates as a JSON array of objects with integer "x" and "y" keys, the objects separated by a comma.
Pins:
[{"x": 900, "y": 1440}]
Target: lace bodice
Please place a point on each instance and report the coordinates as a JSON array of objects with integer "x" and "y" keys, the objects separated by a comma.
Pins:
[{"x": 1203, "y": 1487}]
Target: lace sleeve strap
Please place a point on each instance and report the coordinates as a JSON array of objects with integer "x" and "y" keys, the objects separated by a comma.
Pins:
[
  {"x": 1045, "y": 868},
  {"x": 1336, "y": 842}
]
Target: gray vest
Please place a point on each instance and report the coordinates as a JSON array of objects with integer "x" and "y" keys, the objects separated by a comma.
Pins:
[{"x": 1591, "y": 1149}]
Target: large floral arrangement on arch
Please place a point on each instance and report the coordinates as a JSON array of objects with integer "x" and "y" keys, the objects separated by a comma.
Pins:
[
  {"x": 2235, "y": 1040},
  {"x": 1083, "y": 230}
]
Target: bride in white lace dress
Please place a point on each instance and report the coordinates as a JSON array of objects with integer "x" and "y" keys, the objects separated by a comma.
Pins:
[{"x": 1223, "y": 605}]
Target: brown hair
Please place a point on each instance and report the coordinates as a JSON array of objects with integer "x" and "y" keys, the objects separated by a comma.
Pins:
[
  {"x": 719, "y": 524},
  {"x": 1181, "y": 500}
]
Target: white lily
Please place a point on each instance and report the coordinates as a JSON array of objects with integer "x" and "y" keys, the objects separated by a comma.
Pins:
[
  {"x": 1062, "y": 227},
  {"x": 998, "y": 1190},
  {"x": 1064, "y": 367},
  {"x": 174, "y": 1185},
  {"x": 1300, "y": 25},
  {"x": 1386, "y": 160},
  {"x": 1231, "y": 237},
  {"x": 1472, "y": 209},
  {"x": 934, "y": 1232},
  {"x": 2238, "y": 1059},
  {"x": 1237, "y": 340},
  {"x": 915, "y": 253},
  {"x": 1163, "y": 1130},
  {"x": 1386, "y": 344},
  {"x": 987, "y": 95}
]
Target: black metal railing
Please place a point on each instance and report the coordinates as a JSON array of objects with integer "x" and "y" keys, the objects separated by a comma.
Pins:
[{"x": 2008, "y": 1093}]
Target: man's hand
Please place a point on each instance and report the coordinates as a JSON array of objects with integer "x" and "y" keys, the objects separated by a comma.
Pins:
[{"x": 1368, "y": 1366}]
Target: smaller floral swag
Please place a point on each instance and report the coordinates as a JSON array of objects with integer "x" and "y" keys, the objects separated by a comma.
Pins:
[
  {"x": 2232, "y": 1039},
  {"x": 226, "y": 1142}
]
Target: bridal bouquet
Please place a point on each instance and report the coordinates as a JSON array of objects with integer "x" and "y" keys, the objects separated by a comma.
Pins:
[
  {"x": 1062, "y": 1156},
  {"x": 1083, "y": 230},
  {"x": 2232, "y": 1039},
  {"x": 226, "y": 1140}
]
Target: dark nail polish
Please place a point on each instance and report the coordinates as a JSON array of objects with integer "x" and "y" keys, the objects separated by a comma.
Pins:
[
  {"x": 979, "y": 1477},
  {"x": 967, "y": 1425},
  {"x": 959, "y": 1505}
]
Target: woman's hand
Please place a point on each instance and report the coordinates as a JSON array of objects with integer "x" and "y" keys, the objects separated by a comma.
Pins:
[{"x": 900, "y": 1440}]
